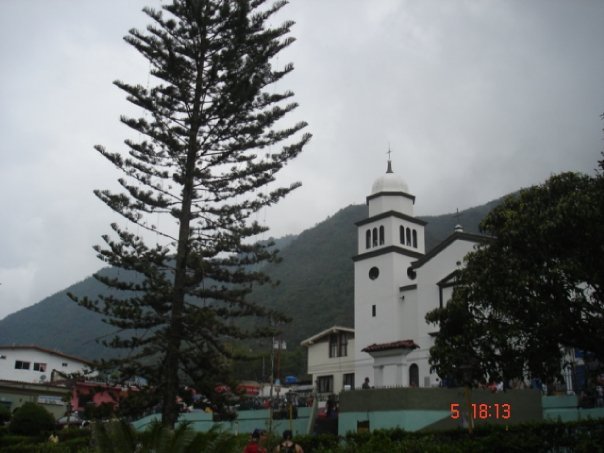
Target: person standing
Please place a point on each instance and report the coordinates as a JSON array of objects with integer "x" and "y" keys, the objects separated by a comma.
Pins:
[
  {"x": 366, "y": 384},
  {"x": 255, "y": 443},
  {"x": 288, "y": 445}
]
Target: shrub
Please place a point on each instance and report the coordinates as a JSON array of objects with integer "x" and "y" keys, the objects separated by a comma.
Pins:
[
  {"x": 101, "y": 412},
  {"x": 318, "y": 442},
  {"x": 4, "y": 414},
  {"x": 70, "y": 433},
  {"x": 136, "y": 404},
  {"x": 31, "y": 420},
  {"x": 10, "y": 440}
]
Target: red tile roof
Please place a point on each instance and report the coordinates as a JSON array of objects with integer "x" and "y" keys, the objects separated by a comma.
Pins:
[{"x": 402, "y": 344}]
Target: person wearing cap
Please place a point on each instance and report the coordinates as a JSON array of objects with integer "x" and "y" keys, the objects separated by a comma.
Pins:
[
  {"x": 288, "y": 445},
  {"x": 254, "y": 445}
]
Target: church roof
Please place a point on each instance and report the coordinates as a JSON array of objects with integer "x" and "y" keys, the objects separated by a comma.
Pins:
[
  {"x": 388, "y": 249},
  {"x": 401, "y": 344},
  {"x": 471, "y": 237},
  {"x": 385, "y": 215}
]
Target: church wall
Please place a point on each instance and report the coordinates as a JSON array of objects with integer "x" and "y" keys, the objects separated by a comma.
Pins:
[
  {"x": 421, "y": 357},
  {"x": 430, "y": 274},
  {"x": 392, "y": 235},
  {"x": 394, "y": 225},
  {"x": 410, "y": 330},
  {"x": 383, "y": 292},
  {"x": 427, "y": 298},
  {"x": 389, "y": 377},
  {"x": 386, "y": 203},
  {"x": 408, "y": 324}
]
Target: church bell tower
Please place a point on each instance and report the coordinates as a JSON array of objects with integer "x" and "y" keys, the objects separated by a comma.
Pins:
[{"x": 389, "y": 240}]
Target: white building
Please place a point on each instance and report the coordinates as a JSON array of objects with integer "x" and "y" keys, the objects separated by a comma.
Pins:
[
  {"x": 396, "y": 284},
  {"x": 331, "y": 359},
  {"x": 36, "y": 364}
]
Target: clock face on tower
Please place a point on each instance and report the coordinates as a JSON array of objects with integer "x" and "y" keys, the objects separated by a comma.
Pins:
[{"x": 374, "y": 273}]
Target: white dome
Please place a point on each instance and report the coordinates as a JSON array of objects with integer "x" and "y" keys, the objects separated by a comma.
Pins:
[{"x": 389, "y": 182}]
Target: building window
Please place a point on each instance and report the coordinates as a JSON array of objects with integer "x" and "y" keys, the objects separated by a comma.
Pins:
[
  {"x": 333, "y": 345},
  {"x": 64, "y": 364},
  {"x": 21, "y": 365},
  {"x": 373, "y": 311},
  {"x": 415, "y": 238},
  {"x": 374, "y": 273},
  {"x": 338, "y": 345},
  {"x": 375, "y": 237},
  {"x": 2, "y": 356},
  {"x": 367, "y": 239},
  {"x": 325, "y": 384},
  {"x": 381, "y": 235},
  {"x": 348, "y": 379},
  {"x": 401, "y": 231},
  {"x": 343, "y": 346},
  {"x": 41, "y": 367},
  {"x": 409, "y": 236}
]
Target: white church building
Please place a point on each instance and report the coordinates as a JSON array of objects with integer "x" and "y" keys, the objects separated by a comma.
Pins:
[{"x": 395, "y": 284}]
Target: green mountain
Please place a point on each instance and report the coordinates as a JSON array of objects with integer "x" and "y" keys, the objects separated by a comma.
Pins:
[{"x": 315, "y": 290}]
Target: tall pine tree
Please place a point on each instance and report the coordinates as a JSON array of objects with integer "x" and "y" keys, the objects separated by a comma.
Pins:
[{"x": 210, "y": 145}]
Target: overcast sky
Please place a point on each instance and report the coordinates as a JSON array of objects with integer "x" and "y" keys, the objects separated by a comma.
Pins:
[{"x": 475, "y": 98}]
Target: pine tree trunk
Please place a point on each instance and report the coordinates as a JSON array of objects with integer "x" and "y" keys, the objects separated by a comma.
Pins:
[{"x": 170, "y": 409}]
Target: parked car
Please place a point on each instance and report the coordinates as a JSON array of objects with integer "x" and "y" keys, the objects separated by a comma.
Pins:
[{"x": 72, "y": 420}]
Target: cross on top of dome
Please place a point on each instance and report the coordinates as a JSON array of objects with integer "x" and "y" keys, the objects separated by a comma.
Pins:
[{"x": 390, "y": 182}]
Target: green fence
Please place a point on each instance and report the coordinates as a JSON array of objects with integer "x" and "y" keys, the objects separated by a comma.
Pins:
[
  {"x": 246, "y": 422},
  {"x": 414, "y": 409}
]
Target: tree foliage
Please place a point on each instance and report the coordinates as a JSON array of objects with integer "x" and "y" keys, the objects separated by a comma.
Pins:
[
  {"x": 210, "y": 142},
  {"x": 118, "y": 436},
  {"x": 535, "y": 289},
  {"x": 31, "y": 419}
]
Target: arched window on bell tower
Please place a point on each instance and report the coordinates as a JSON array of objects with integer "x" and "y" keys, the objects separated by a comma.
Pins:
[
  {"x": 409, "y": 237},
  {"x": 375, "y": 237},
  {"x": 401, "y": 231},
  {"x": 367, "y": 239},
  {"x": 414, "y": 238},
  {"x": 382, "y": 235}
]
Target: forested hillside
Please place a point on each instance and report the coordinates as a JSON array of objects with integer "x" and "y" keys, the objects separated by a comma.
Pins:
[{"x": 315, "y": 290}]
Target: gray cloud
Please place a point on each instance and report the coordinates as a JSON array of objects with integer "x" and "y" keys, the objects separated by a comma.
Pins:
[{"x": 476, "y": 100}]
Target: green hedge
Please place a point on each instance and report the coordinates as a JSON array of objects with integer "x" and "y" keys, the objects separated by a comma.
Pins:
[
  {"x": 31, "y": 420},
  {"x": 577, "y": 436},
  {"x": 584, "y": 436},
  {"x": 72, "y": 440},
  {"x": 4, "y": 414}
]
